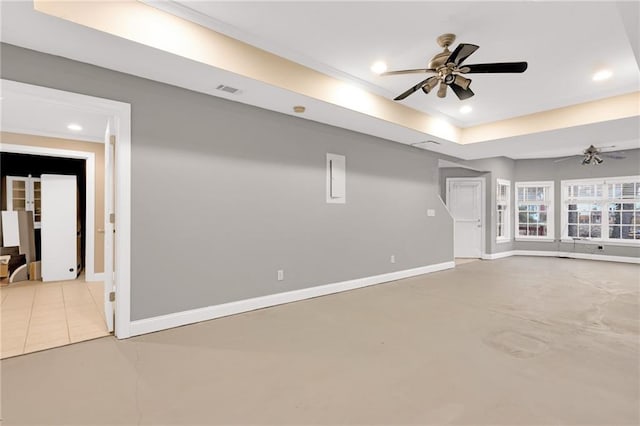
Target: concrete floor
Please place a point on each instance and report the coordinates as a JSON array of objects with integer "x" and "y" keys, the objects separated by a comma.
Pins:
[{"x": 537, "y": 341}]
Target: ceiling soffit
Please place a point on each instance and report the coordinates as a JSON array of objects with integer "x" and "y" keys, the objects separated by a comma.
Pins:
[{"x": 141, "y": 23}]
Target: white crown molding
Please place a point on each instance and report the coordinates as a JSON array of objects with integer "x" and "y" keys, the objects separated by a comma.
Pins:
[{"x": 185, "y": 12}]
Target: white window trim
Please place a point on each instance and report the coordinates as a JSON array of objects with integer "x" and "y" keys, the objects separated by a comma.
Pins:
[
  {"x": 507, "y": 217},
  {"x": 550, "y": 237},
  {"x": 565, "y": 238}
]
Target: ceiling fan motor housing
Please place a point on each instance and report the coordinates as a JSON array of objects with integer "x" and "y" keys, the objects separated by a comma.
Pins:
[{"x": 439, "y": 60}]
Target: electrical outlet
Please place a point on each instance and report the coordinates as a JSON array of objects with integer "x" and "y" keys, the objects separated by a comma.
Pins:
[
  {"x": 393, "y": 258},
  {"x": 280, "y": 274},
  {"x": 600, "y": 248}
]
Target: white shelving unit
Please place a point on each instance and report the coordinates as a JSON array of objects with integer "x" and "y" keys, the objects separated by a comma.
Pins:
[{"x": 24, "y": 193}]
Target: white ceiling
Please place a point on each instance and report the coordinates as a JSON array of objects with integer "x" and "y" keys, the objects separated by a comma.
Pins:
[
  {"x": 563, "y": 42},
  {"x": 23, "y": 113},
  {"x": 63, "y": 38}
]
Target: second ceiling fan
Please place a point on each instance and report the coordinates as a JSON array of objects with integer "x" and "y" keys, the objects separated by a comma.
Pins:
[{"x": 449, "y": 70}]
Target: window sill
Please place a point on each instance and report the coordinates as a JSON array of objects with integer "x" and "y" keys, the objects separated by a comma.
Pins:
[
  {"x": 504, "y": 241},
  {"x": 629, "y": 243},
  {"x": 536, "y": 239}
]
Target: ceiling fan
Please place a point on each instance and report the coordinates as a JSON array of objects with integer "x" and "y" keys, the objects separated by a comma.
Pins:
[
  {"x": 449, "y": 69},
  {"x": 593, "y": 155}
]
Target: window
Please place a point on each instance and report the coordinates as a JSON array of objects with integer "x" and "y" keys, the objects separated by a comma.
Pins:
[
  {"x": 605, "y": 209},
  {"x": 583, "y": 209},
  {"x": 534, "y": 213},
  {"x": 503, "y": 197}
]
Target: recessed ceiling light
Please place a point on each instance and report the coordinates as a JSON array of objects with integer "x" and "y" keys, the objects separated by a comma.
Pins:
[
  {"x": 75, "y": 127},
  {"x": 299, "y": 109},
  {"x": 602, "y": 75},
  {"x": 379, "y": 67},
  {"x": 466, "y": 109}
]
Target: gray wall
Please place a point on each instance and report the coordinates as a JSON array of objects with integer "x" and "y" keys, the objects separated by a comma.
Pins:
[
  {"x": 224, "y": 194},
  {"x": 547, "y": 169},
  {"x": 543, "y": 170}
]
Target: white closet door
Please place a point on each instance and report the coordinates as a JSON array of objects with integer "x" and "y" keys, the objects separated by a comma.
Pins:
[{"x": 59, "y": 227}]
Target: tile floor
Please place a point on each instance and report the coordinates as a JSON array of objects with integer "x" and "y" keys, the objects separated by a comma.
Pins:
[{"x": 36, "y": 315}]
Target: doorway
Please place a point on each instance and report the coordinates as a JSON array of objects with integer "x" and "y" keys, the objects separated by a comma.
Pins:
[
  {"x": 21, "y": 187},
  {"x": 115, "y": 202},
  {"x": 465, "y": 201},
  {"x": 60, "y": 300}
]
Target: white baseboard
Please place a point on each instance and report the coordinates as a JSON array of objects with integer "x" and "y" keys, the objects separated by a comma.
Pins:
[
  {"x": 163, "y": 322},
  {"x": 572, "y": 255},
  {"x": 607, "y": 258},
  {"x": 543, "y": 253},
  {"x": 493, "y": 256}
]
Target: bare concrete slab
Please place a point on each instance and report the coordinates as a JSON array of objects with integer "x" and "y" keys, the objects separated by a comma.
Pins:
[{"x": 516, "y": 341}]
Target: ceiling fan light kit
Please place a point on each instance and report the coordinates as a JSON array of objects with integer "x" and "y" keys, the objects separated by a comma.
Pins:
[
  {"x": 592, "y": 159},
  {"x": 593, "y": 155},
  {"x": 447, "y": 67}
]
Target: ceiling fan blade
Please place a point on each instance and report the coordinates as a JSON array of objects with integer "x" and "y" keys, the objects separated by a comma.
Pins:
[
  {"x": 462, "y": 52},
  {"x": 442, "y": 90},
  {"x": 415, "y": 71},
  {"x": 461, "y": 92},
  {"x": 411, "y": 90},
  {"x": 502, "y": 67},
  {"x": 615, "y": 156}
]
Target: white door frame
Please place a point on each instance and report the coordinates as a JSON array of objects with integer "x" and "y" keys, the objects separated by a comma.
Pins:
[
  {"x": 483, "y": 208},
  {"x": 121, "y": 114}
]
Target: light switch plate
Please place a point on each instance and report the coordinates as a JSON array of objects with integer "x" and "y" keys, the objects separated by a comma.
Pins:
[{"x": 431, "y": 212}]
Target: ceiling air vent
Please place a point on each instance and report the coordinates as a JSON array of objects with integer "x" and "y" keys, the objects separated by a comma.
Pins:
[{"x": 227, "y": 89}]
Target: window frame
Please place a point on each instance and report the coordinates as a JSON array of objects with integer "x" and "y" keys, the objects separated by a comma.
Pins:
[
  {"x": 506, "y": 216},
  {"x": 550, "y": 237},
  {"x": 604, "y": 201}
]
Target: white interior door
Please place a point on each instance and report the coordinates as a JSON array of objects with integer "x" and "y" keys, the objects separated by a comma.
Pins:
[
  {"x": 59, "y": 227},
  {"x": 464, "y": 200},
  {"x": 109, "y": 192}
]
